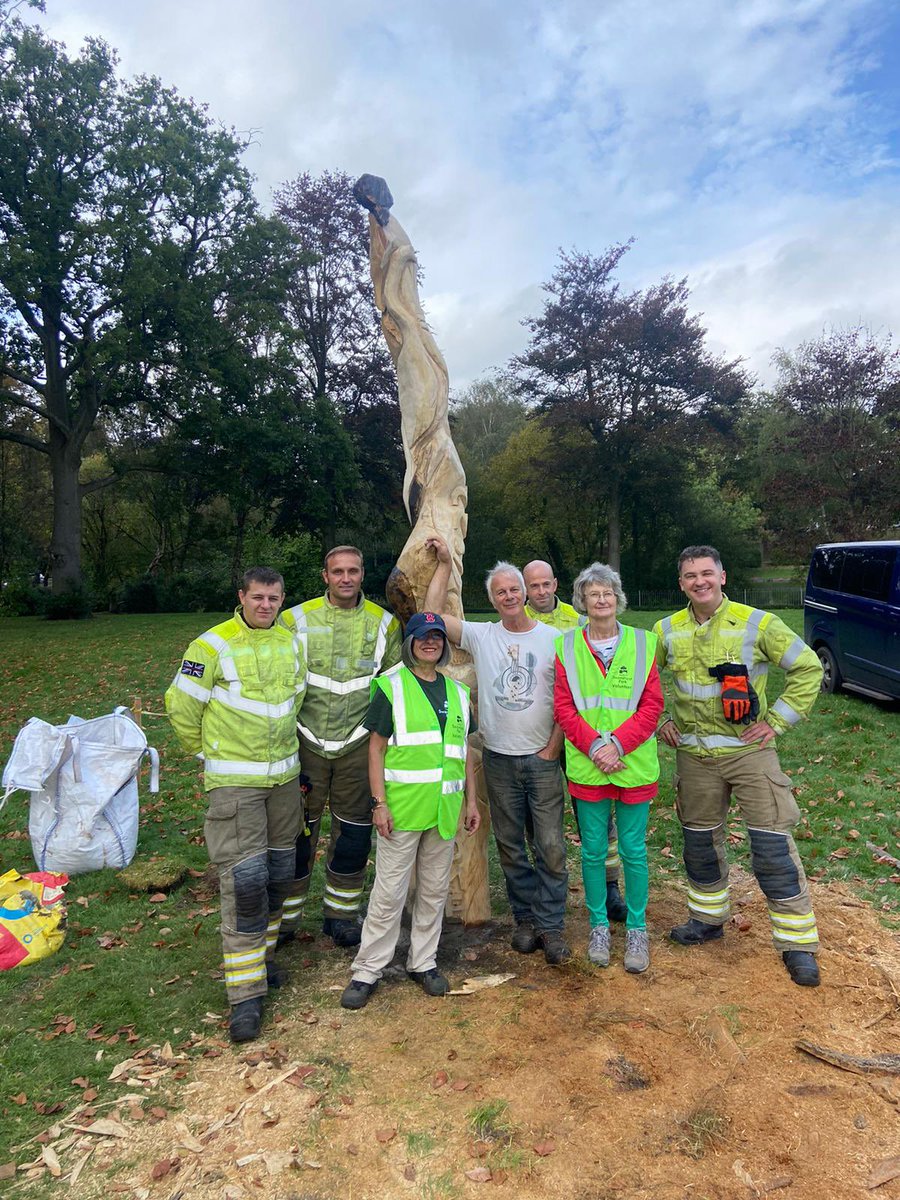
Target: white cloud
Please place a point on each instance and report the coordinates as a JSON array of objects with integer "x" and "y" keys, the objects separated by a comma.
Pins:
[{"x": 742, "y": 144}]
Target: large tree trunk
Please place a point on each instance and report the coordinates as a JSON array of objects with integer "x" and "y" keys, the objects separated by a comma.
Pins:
[
  {"x": 65, "y": 542},
  {"x": 434, "y": 492}
]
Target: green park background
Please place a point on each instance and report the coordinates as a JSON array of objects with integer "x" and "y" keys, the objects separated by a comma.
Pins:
[{"x": 190, "y": 384}]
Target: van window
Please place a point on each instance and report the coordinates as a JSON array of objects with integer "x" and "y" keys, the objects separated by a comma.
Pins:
[
  {"x": 825, "y": 571},
  {"x": 868, "y": 573}
]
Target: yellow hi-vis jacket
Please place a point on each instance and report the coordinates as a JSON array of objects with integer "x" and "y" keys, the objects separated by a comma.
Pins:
[
  {"x": 234, "y": 700},
  {"x": 345, "y": 649},
  {"x": 563, "y": 616},
  {"x": 424, "y": 772},
  {"x": 739, "y": 634},
  {"x": 606, "y": 701}
]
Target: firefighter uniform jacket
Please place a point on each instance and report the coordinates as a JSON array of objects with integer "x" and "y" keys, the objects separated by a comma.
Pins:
[
  {"x": 345, "y": 649},
  {"x": 234, "y": 700},
  {"x": 739, "y": 634}
]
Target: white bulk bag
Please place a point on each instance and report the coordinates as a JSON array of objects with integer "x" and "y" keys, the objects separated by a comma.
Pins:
[{"x": 84, "y": 792}]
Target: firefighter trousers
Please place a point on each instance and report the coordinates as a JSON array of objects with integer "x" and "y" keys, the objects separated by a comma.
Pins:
[
  {"x": 250, "y": 836},
  {"x": 344, "y": 783},
  {"x": 705, "y": 787}
]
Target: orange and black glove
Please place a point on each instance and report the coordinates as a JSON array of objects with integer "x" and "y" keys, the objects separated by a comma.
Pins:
[{"x": 740, "y": 702}]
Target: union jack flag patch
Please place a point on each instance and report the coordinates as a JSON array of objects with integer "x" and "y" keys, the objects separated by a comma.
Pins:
[{"x": 194, "y": 669}]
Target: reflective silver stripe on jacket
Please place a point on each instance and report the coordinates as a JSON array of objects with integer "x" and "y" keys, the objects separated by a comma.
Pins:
[
  {"x": 359, "y": 684},
  {"x": 784, "y": 710},
  {"x": 713, "y": 741},
  {"x": 191, "y": 688},
  {"x": 230, "y": 698},
  {"x": 224, "y": 766},
  {"x": 793, "y": 652},
  {"x": 698, "y": 691},
  {"x": 327, "y": 745},
  {"x": 381, "y": 642},
  {"x": 750, "y": 635}
]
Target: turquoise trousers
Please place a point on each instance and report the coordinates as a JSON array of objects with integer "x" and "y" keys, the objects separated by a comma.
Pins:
[{"x": 631, "y": 820}]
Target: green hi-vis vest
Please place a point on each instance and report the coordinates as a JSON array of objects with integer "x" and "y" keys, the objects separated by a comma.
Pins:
[
  {"x": 424, "y": 773},
  {"x": 606, "y": 701}
]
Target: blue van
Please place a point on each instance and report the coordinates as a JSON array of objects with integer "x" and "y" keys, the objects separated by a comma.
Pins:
[{"x": 851, "y": 616}]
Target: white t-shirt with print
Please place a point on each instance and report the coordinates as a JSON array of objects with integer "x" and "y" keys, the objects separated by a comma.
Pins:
[{"x": 515, "y": 684}]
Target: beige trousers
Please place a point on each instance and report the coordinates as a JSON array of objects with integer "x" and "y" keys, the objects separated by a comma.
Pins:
[{"x": 395, "y": 857}]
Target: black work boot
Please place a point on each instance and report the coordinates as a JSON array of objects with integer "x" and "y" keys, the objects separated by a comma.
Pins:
[
  {"x": 802, "y": 967},
  {"x": 695, "y": 933},
  {"x": 432, "y": 982},
  {"x": 246, "y": 1020},
  {"x": 356, "y": 994},
  {"x": 525, "y": 940},
  {"x": 555, "y": 949},
  {"x": 276, "y": 977},
  {"x": 343, "y": 933},
  {"x": 285, "y": 937},
  {"x": 616, "y": 908}
]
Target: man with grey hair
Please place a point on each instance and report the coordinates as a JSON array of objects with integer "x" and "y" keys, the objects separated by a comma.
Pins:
[{"x": 514, "y": 664}]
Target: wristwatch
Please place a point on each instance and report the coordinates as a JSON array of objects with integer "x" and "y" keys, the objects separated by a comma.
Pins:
[{"x": 376, "y": 802}]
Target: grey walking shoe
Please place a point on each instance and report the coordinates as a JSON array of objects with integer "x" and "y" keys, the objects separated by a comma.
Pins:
[
  {"x": 637, "y": 950},
  {"x": 598, "y": 946}
]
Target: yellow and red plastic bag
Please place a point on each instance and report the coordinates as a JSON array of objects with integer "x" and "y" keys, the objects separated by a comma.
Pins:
[{"x": 32, "y": 916}]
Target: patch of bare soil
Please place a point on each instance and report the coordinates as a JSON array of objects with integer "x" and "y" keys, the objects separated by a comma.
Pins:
[{"x": 680, "y": 1084}]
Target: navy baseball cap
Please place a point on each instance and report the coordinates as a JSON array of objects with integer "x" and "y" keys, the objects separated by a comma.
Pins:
[{"x": 425, "y": 622}]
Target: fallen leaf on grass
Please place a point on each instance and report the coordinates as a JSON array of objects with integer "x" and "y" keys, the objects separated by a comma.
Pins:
[
  {"x": 19, "y": 1099},
  {"x": 52, "y": 1162},
  {"x": 841, "y": 852},
  {"x": 104, "y": 1127},
  {"x": 741, "y": 923},
  {"x": 542, "y": 1149},
  {"x": 158, "y": 898},
  {"x": 158, "y": 1113},
  {"x": 480, "y": 1149},
  {"x": 90, "y": 1094},
  {"x": 162, "y": 1168},
  {"x": 479, "y": 1174},
  {"x": 385, "y": 1135},
  {"x": 459, "y": 1085},
  {"x": 883, "y": 1172},
  {"x": 7, "y": 1170},
  {"x": 440, "y": 1078},
  {"x": 409, "y": 1172}
]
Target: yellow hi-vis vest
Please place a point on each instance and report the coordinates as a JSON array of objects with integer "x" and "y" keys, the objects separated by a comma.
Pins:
[
  {"x": 562, "y": 616},
  {"x": 235, "y": 699},
  {"x": 424, "y": 773},
  {"x": 345, "y": 649},
  {"x": 605, "y": 701}
]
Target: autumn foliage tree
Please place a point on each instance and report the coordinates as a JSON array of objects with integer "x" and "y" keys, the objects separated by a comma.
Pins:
[
  {"x": 632, "y": 370},
  {"x": 824, "y": 441}
]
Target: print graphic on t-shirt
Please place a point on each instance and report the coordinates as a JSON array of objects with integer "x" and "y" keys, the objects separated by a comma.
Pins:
[{"x": 514, "y": 686}]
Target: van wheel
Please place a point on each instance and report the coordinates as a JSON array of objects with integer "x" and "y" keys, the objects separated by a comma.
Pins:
[{"x": 831, "y": 679}]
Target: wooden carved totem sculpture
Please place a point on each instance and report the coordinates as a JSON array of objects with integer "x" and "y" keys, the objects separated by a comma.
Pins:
[{"x": 434, "y": 488}]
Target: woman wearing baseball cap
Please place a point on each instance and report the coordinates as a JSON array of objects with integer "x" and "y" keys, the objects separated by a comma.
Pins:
[{"x": 420, "y": 774}]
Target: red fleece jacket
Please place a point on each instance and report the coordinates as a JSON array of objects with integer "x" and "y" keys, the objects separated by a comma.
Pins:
[{"x": 630, "y": 734}]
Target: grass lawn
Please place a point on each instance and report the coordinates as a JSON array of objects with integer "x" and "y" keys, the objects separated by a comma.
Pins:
[{"x": 134, "y": 972}]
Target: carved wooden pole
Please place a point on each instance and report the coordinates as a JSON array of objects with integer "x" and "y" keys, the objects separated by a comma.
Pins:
[{"x": 434, "y": 488}]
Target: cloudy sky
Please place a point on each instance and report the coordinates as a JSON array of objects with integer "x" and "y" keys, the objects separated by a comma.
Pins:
[{"x": 751, "y": 145}]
